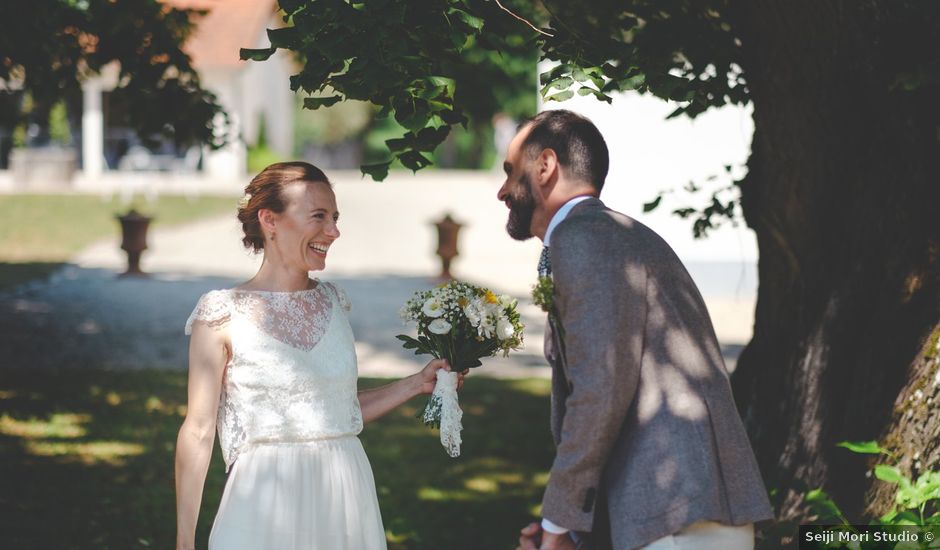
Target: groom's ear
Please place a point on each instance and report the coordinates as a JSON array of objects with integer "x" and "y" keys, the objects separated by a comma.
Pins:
[{"x": 547, "y": 166}]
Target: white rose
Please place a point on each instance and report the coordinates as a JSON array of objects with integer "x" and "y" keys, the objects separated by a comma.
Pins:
[
  {"x": 504, "y": 329},
  {"x": 432, "y": 308},
  {"x": 439, "y": 326}
]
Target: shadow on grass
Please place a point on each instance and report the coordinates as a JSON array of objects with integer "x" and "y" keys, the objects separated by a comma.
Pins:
[
  {"x": 87, "y": 462},
  {"x": 14, "y": 274}
]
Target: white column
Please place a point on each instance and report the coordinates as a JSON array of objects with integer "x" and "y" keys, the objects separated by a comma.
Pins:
[
  {"x": 92, "y": 130},
  {"x": 230, "y": 162}
]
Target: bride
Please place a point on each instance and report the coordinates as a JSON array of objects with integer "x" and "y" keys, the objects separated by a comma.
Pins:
[{"x": 272, "y": 366}]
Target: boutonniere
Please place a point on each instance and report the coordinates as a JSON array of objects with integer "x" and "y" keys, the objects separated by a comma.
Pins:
[{"x": 543, "y": 295}]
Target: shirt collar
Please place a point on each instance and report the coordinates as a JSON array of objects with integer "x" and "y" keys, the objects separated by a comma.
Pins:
[{"x": 561, "y": 215}]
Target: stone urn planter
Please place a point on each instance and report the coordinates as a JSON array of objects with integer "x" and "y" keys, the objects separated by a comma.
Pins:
[
  {"x": 447, "y": 232},
  {"x": 134, "y": 227}
]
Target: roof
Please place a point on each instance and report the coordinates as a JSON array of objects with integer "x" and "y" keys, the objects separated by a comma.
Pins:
[{"x": 228, "y": 26}]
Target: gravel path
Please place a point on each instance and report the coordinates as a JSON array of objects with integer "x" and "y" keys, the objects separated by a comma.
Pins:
[{"x": 86, "y": 316}]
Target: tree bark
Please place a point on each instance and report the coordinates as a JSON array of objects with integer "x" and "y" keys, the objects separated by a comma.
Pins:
[
  {"x": 913, "y": 435},
  {"x": 842, "y": 192}
]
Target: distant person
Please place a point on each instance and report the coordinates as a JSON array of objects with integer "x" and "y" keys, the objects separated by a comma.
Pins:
[
  {"x": 650, "y": 450},
  {"x": 272, "y": 366}
]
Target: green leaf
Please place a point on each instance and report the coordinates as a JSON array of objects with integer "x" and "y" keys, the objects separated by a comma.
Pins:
[
  {"x": 652, "y": 205},
  {"x": 261, "y": 54},
  {"x": 561, "y": 96},
  {"x": 586, "y": 90},
  {"x": 905, "y": 517},
  {"x": 822, "y": 505},
  {"x": 378, "y": 171},
  {"x": 314, "y": 103},
  {"x": 285, "y": 37},
  {"x": 448, "y": 84},
  {"x": 414, "y": 160},
  {"x": 597, "y": 78},
  {"x": 429, "y": 138},
  {"x": 632, "y": 83},
  {"x": 413, "y": 114},
  {"x": 678, "y": 112},
  {"x": 560, "y": 84},
  {"x": 472, "y": 21},
  {"x": 290, "y": 6},
  {"x": 468, "y": 363},
  {"x": 889, "y": 474},
  {"x": 402, "y": 143},
  {"x": 863, "y": 447},
  {"x": 888, "y": 518},
  {"x": 453, "y": 117},
  {"x": 578, "y": 74}
]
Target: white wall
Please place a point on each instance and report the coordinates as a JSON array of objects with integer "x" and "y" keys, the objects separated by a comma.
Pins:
[
  {"x": 229, "y": 162},
  {"x": 266, "y": 90},
  {"x": 649, "y": 153}
]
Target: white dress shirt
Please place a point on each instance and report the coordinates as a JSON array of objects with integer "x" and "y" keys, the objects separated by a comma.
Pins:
[{"x": 561, "y": 215}]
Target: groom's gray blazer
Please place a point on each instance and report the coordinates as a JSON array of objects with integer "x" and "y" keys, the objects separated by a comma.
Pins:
[{"x": 647, "y": 434}]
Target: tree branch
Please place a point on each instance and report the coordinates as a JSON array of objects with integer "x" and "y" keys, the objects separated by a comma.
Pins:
[{"x": 524, "y": 20}]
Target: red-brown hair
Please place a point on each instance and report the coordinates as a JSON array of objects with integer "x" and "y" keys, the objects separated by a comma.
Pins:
[{"x": 266, "y": 191}]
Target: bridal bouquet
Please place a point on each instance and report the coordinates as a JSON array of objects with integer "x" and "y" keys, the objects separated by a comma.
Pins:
[{"x": 462, "y": 323}]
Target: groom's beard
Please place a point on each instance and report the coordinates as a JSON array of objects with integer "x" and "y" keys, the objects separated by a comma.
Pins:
[{"x": 521, "y": 209}]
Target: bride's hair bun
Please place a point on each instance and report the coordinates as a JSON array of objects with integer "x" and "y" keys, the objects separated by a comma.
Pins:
[{"x": 265, "y": 191}]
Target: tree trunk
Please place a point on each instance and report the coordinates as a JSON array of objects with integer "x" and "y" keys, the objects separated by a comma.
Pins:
[
  {"x": 842, "y": 192},
  {"x": 914, "y": 432}
]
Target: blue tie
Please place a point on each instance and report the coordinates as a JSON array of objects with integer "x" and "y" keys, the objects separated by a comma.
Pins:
[{"x": 545, "y": 264}]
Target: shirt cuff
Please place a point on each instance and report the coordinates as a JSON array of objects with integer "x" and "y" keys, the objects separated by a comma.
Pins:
[{"x": 552, "y": 528}]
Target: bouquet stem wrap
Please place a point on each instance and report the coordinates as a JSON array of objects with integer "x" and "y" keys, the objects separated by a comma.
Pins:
[{"x": 443, "y": 408}]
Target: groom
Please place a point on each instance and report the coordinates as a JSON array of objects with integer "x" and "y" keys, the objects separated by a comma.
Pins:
[{"x": 650, "y": 450}]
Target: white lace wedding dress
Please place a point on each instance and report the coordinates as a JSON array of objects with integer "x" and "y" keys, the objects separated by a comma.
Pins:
[{"x": 288, "y": 420}]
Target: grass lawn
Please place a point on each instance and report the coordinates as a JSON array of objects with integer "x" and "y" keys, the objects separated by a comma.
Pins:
[
  {"x": 38, "y": 233},
  {"x": 86, "y": 459}
]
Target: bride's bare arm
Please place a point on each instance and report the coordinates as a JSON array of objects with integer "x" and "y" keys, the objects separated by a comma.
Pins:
[
  {"x": 377, "y": 402},
  {"x": 208, "y": 354}
]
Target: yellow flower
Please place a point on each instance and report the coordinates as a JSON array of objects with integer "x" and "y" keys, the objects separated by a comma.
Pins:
[
  {"x": 462, "y": 301},
  {"x": 490, "y": 297}
]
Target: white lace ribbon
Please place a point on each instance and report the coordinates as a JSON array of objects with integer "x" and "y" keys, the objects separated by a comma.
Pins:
[{"x": 444, "y": 402}]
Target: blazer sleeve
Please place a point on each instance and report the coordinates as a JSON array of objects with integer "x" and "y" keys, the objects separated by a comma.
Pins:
[{"x": 600, "y": 295}]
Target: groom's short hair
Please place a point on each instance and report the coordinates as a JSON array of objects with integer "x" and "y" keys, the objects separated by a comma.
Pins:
[{"x": 577, "y": 143}]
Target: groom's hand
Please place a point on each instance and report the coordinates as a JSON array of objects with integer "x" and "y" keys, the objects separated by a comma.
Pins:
[
  {"x": 557, "y": 542},
  {"x": 531, "y": 537}
]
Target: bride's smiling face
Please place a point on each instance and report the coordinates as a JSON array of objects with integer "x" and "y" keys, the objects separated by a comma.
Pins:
[{"x": 305, "y": 230}]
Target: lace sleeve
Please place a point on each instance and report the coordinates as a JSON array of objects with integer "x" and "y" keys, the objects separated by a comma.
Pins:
[
  {"x": 212, "y": 309},
  {"x": 340, "y": 295}
]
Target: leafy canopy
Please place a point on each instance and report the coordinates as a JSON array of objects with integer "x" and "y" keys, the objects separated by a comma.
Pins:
[
  {"x": 47, "y": 47},
  {"x": 416, "y": 59}
]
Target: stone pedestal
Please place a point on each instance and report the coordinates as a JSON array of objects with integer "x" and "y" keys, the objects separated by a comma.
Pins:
[{"x": 43, "y": 168}]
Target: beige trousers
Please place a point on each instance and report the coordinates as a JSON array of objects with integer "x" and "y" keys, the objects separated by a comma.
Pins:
[{"x": 707, "y": 535}]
